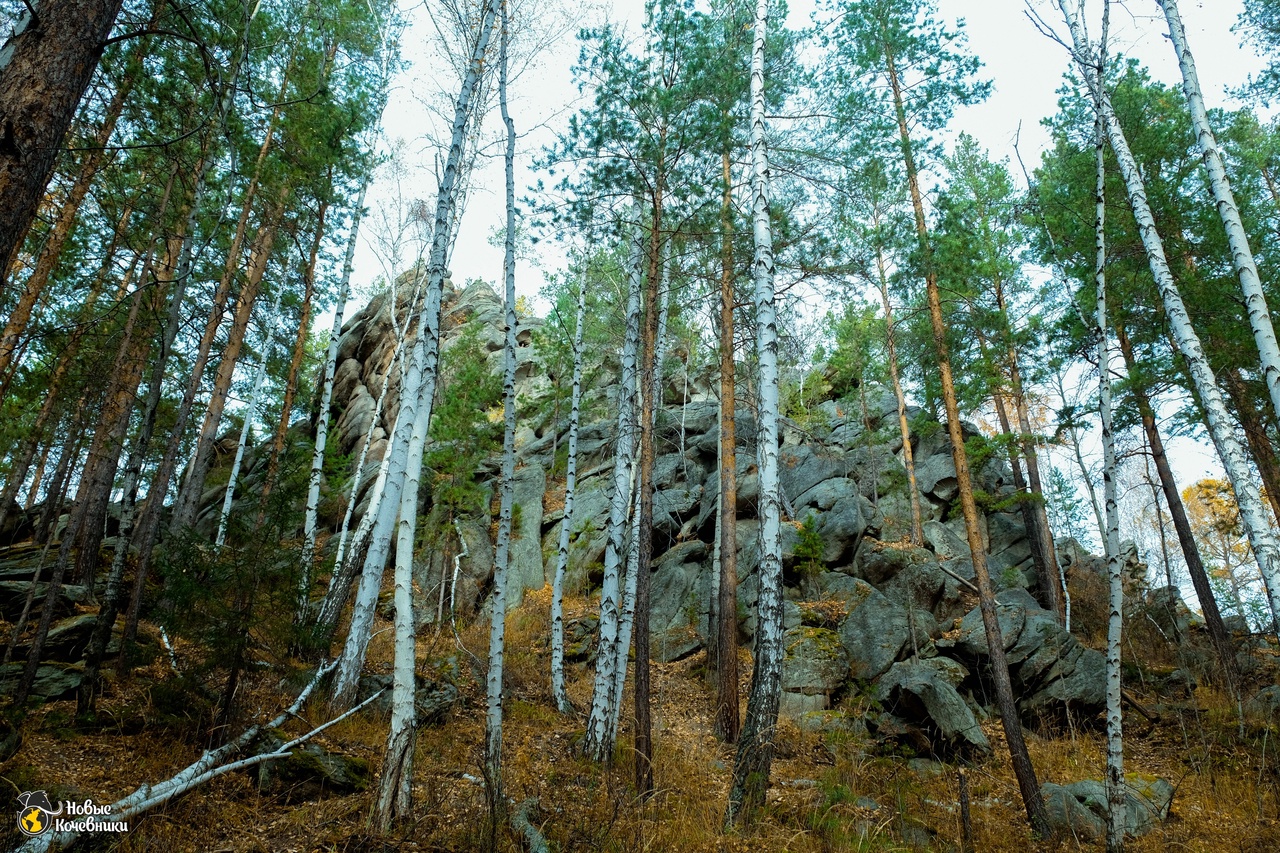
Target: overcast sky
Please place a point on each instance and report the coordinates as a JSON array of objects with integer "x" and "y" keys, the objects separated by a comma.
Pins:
[{"x": 1025, "y": 67}]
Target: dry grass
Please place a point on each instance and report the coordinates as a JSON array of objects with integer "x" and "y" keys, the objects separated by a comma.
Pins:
[{"x": 1226, "y": 787}]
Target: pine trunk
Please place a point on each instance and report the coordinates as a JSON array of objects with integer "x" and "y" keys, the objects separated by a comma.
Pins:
[
  {"x": 908, "y": 455},
  {"x": 295, "y": 363},
  {"x": 1018, "y": 755},
  {"x": 1181, "y": 524},
  {"x": 45, "y": 66}
]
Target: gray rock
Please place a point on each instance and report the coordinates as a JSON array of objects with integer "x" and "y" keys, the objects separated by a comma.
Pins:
[
  {"x": 815, "y": 663},
  {"x": 936, "y": 475},
  {"x": 674, "y": 644},
  {"x": 825, "y": 494},
  {"x": 875, "y": 631},
  {"x": 1069, "y": 817},
  {"x": 53, "y": 681},
  {"x": 1147, "y": 801},
  {"x": 800, "y": 468},
  {"x": 675, "y": 602},
  {"x": 1167, "y": 609},
  {"x": 924, "y": 691},
  {"x": 841, "y": 528},
  {"x": 13, "y": 594},
  {"x": 309, "y": 772},
  {"x": 1266, "y": 703},
  {"x": 525, "y": 570}
]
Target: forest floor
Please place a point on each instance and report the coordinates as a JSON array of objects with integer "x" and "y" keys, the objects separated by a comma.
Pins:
[{"x": 829, "y": 792}]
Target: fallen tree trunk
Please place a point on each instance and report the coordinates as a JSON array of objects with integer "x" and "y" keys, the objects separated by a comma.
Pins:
[{"x": 209, "y": 766}]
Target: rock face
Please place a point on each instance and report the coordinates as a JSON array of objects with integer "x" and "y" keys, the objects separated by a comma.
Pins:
[{"x": 863, "y": 609}]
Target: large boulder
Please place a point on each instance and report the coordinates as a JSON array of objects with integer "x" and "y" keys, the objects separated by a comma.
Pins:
[
  {"x": 815, "y": 666},
  {"x": 876, "y": 630},
  {"x": 1147, "y": 801},
  {"x": 802, "y": 467},
  {"x": 53, "y": 681},
  {"x": 924, "y": 691},
  {"x": 309, "y": 771},
  {"x": 678, "y": 609}
]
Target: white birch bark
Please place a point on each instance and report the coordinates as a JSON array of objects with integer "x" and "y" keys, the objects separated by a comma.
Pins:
[
  {"x": 419, "y": 384},
  {"x": 1221, "y": 429},
  {"x": 506, "y": 488},
  {"x": 326, "y": 396},
  {"x": 1116, "y": 806},
  {"x": 1255, "y": 300},
  {"x": 558, "y": 693},
  {"x": 597, "y": 741},
  {"x": 755, "y": 749},
  {"x": 251, "y": 412}
]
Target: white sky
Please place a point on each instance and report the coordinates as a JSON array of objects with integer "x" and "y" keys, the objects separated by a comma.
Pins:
[{"x": 1026, "y": 69}]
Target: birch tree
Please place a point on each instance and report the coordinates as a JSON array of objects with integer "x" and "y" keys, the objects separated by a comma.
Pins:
[
  {"x": 601, "y": 731},
  {"x": 1246, "y": 268},
  {"x": 506, "y": 488},
  {"x": 558, "y": 694},
  {"x": 419, "y": 385},
  {"x": 1116, "y": 808},
  {"x": 754, "y": 756},
  {"x": 1252, "y": 511}
]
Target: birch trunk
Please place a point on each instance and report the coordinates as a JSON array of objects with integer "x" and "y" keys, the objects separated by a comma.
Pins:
[
  {"x": 1255, "y": 299},
  {"x": 1221, "y": 429},
  {"x": 754, "y": 757},
  {"x": 417, "y": 389},
  {"x": 322, "y": 421},
  {"x": 558, "y": 693},
  {"x": 728, "y": 723},
  {"x": 506, "y": 487},
  {"x": 1116, "y": 807},
  {"x": 599, "y": 737}
]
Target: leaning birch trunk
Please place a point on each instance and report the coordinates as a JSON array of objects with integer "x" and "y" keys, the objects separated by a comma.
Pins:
[
  {"x": 418, "y": 385},
  {"x": 1255, "y": 300},
  {"x": 754, "y": 758},
  {"x": 598, "y": 740},
  {"x": 558, "y": 693},
  {"x": 207, "y": 767},
  {"x": 1116, "y": 807},
  {"x": 394, "y": 782},
  {"x": 322, "y": 423},
  {"x": 1221, "y": 429},
  {"x": 250, "y": 413},
  {"x": 506, "y": 488}
]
